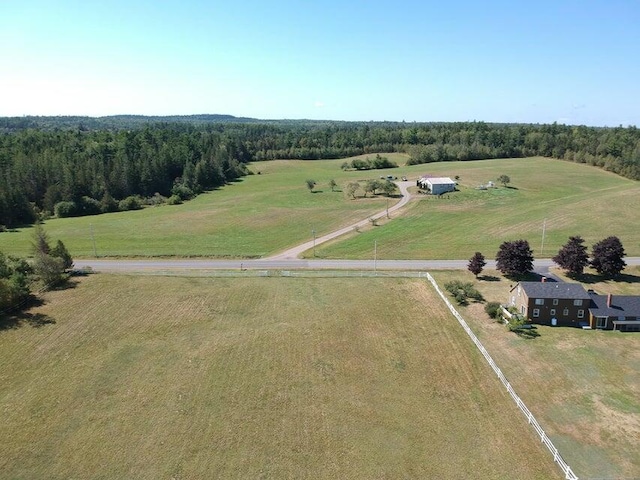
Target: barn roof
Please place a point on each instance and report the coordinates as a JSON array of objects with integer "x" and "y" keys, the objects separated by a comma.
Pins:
[{"x": 440, "y": 181}]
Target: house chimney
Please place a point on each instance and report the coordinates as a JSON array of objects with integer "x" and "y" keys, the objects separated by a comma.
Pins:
[
  {"x": 609, "y": 298},
  {"x": 543, "y": 279}
]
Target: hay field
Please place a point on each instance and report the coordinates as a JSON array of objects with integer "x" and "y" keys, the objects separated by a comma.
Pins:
[{"x": 170, "y": 377}]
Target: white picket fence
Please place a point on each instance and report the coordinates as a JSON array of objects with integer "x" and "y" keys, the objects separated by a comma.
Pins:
[{"x": 569, "y": 475}]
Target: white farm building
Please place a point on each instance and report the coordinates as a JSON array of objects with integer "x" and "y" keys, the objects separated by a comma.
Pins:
[{"x": 437, "y": 185}]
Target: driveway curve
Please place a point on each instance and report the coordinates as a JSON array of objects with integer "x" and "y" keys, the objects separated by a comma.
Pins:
[{"x": 294, "y": 252}]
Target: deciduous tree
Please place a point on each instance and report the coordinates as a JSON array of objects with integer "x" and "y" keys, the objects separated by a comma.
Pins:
[
  {"x": 514, "y": 258},
  {"x": 573, "y": 257},
  {"x": 310, "y": 184},
  {"x": 608, "y": 257},
  {"x": 504, "y": 179},
  {"x": 352, "y": 188},
  {"x": 476, "y": 263}
]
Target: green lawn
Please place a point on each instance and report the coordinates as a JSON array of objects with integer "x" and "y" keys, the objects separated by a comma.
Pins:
[
  {"x": 574, "y": 199},
  {"x": 169, "y": 377},
  {"x": 582, "y": 385},
  {"x": 267, "y": 213}
]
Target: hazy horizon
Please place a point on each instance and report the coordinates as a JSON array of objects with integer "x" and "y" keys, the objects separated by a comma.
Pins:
[{"x": 499, "y": 62}]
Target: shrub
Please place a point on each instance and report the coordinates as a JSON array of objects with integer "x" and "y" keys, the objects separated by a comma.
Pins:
[
  {"x": 174, "y": 200},
  {"x": 130, "y": 203},
  {"x": 462, "y": 291},
  {"x": 182, "y": 191},
  {"x": 108, "y": 203},
  {"x": 89, "y": 206},
  {"x": 492, "y": 309},
  {"x": 65, "y": 209},
  {"x": 155, "y": 200}
]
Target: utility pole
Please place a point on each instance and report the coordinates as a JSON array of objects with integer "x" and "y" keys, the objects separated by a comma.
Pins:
[
  {"x": 544, "y": 227},
  {"x": 375, "y": 257},
  {"x": 313, "y": 232},
  {"x": 93, "y": 240}
]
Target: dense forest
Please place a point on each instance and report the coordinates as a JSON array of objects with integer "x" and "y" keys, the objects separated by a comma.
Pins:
[{"x": 83, "y": 165}]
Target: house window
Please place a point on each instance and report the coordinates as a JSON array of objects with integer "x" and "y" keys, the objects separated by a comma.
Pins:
[
  {"x": 565, "y": 312},
  {"x": 577, "y": 303},
  {"x": 552, "y": 312},
  {"x": 536, "y": 312},
  {"x": 539, "y": 301},
  {"x": 555, "y": 301},
  {"x": 601, "y": 322},
  {"x": 522, "y": 309},
  {"x": 580, "y": 313}
]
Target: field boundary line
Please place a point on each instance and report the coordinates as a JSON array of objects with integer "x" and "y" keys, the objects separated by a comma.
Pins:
[{"x": 557, "y": 458}]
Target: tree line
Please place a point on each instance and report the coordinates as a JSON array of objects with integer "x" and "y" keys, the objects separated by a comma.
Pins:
[
  {"x": 96, "y": 163},
  {"x": 515, "y": 258},
  {"x": 79, "y": 173}
]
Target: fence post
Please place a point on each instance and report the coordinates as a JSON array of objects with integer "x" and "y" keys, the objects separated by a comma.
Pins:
[{"x": 557, "y": 458}]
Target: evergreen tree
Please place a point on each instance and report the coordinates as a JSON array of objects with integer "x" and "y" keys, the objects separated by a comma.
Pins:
[
  {"x": 40, "y": 241},
  {"x": 61, "y": 252},
  {"x": 573, "y": 257}
]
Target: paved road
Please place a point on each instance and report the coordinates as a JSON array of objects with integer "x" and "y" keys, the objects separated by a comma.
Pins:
[
  {"x": 541, "y": 266},
  {"x": 288, "y": 260}
]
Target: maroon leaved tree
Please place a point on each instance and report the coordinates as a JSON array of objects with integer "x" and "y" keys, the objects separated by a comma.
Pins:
[
  {"x": 573, "y": 257},
  {"x": 476, "y": 264},
  {"x": 514, "y": 258},
  {"x": 608, "y": 257}
]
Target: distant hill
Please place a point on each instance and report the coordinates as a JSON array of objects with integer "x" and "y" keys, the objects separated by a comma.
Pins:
[{"x": 112, "y": 122}]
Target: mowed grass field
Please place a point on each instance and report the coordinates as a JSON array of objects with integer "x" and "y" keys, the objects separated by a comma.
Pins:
[
  {"x": 582, "y": 385},
  {"x": 267, "y": 213},
  {"x": 566, "y": 198},
  {"x": 254, "y": 217},
  {"x": 169, "y": 377}
]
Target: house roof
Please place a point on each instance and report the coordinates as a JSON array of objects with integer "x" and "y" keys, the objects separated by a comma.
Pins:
[
  {"x": 621, "y": 305},
  {"x": 554, "y": 290},
  {"x": 440, "y": 181}
]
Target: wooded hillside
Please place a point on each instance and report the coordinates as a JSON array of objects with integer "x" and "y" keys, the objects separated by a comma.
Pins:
[{"x": 94, "y": 163}]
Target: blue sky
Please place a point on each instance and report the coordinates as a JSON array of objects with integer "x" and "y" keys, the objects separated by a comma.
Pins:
[{"x": 575, "y": 62}]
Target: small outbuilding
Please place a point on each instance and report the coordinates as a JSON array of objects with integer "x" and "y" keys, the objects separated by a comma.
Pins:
[{"x": 437, "y": 185}]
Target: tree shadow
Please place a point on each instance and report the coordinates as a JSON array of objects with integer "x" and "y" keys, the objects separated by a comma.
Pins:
[
  {"x": 489, "y": 278},
  {"x": 527, "y": 334},
  {"x": 532, "y": 277},
  {"x": 316, "y": 191},
  {"x": 591, "y": 278},
  {"x": 68, "y": 285},
  {"x": 16, "y": 319},
  {"x": 511, "y": 187}
]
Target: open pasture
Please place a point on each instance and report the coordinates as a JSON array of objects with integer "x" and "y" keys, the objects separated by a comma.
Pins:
[
  {"x": 583, "y": 386},
  {"x": 169, "y": 377},
  {"x": 253, "y": 217},
  {"x": 563, "y": 198},
  {"x": 267, "y": 213}
]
